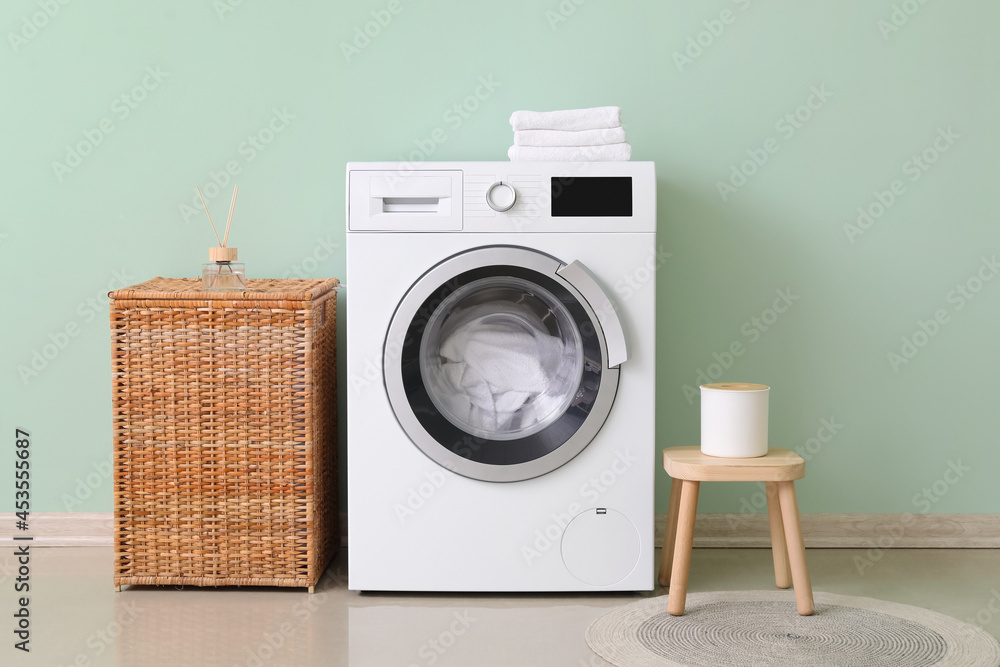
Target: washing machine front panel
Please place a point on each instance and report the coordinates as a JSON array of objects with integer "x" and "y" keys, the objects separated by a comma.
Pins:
[
  {"x": 564, "y": 530},
  {"x": 497, "y": 364}
]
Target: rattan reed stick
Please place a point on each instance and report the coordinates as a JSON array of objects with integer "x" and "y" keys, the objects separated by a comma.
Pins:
[
  {"x": 232, "y": 207},
  {"x": 208, "y": 214}
]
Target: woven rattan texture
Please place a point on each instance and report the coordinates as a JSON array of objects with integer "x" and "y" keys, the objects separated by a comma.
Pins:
[{"x": 225, "y": 433}]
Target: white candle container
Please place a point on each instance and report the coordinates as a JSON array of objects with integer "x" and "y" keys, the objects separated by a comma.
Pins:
[{"x": 734, "y": 419}]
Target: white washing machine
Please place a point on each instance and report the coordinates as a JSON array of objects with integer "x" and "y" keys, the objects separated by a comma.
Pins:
[{"x": 500, "y": 376}]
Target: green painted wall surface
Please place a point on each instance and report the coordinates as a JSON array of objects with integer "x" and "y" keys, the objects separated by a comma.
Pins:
[{"x": 157, "y": 97}]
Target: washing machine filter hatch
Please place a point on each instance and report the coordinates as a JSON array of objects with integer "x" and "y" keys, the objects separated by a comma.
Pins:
[
  {"x": 600, "y": 547},
  {"x": 501, "y": 358}
]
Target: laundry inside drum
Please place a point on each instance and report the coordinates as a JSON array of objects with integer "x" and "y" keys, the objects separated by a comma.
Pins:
[{"x": 501, "y": 358}]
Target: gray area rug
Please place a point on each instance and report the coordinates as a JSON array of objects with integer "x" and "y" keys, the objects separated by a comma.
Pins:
[{"x": 741, "y": 628}]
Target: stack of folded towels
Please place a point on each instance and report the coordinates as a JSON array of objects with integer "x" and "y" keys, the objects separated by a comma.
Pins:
[{"x": 575, "y": 135}]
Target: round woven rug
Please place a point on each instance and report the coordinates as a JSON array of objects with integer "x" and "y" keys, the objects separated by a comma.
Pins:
[{"x": 763, "y": 628}]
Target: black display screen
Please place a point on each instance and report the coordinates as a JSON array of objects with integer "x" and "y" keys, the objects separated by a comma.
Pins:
[{"x": 591, "y": 196}]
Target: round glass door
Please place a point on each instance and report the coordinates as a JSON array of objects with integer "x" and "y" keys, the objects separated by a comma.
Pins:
[{"x": 496, "y": 367}]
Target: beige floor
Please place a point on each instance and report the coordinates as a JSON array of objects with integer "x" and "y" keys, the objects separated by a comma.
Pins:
[{"x": 77, "y": 619}]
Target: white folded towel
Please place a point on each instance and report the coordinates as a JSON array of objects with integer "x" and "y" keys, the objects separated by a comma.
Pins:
[
  {"x": 599, "y": 137},
  {"x": 609, "y": 153},
  {"x": 571, "y": 119},
  {"x": 505, "y": 371}
]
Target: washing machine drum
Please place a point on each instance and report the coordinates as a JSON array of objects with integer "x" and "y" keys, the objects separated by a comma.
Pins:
[{"x": 496, "y": 362}]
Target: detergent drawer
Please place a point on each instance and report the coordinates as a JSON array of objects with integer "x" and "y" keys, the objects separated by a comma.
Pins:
[{"x": 425, "y": 201}]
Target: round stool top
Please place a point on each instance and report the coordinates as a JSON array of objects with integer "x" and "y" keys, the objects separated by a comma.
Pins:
[{"x": 778, "y": 465}]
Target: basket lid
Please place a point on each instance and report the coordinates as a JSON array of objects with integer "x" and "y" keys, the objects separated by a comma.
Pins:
[{"x": 257, "y": 289}]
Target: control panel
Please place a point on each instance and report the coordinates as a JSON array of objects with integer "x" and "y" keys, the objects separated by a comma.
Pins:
[{"x": 502, "y": 196}]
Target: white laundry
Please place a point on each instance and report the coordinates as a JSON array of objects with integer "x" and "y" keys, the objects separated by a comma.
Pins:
[
  {"x": 572, "y": 135},
  {"x": 567, "y": 119},
  {"x": 503, "y": 366},
  {"x": 598, "y": 137}
]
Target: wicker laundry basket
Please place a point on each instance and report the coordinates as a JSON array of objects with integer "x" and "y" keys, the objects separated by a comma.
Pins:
[{"x": 225, "y": 433}]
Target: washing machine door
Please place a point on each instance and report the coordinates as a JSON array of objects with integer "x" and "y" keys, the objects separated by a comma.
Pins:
[{"x": 501, "y": 362}]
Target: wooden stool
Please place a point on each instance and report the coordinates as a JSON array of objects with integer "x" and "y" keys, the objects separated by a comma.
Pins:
[{"x": 777, "y": 469}]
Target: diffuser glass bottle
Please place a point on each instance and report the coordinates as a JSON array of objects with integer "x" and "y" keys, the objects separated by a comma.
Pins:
[{"x": 223, "y": 273}]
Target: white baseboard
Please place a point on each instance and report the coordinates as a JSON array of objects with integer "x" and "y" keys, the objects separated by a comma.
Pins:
[
  {"x": 850, "y": 531},
  {"x": 61, "y": 529},
  {"x": 831, "y": 531}
]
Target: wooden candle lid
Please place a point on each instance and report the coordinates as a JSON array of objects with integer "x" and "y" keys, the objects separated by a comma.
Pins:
[{"x": 736, "y": 386}]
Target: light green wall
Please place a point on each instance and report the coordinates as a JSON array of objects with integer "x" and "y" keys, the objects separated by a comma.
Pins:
[{"x": 63, "y": 241}]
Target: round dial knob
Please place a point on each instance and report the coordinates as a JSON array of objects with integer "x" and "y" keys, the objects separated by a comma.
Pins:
[{"x": 501, "y": 196}]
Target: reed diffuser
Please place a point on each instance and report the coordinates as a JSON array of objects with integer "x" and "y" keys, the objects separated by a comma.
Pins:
[{"x": 222, "y": 273}]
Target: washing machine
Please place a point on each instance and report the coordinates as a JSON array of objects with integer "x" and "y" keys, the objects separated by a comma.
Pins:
[{"x": 500, "y": 376}]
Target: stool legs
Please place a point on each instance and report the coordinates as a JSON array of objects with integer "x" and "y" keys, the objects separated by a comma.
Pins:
[
  {"x": 779, "y": 550},
  {"x": 670, "y": 534},
  {"x": 682, "y": 549},
  {"x": 796, "y": 548}
]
